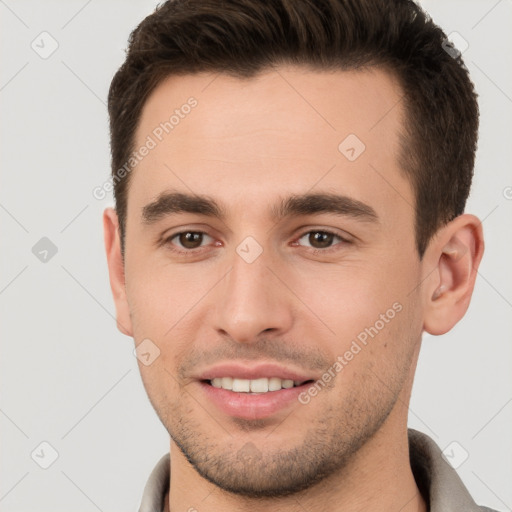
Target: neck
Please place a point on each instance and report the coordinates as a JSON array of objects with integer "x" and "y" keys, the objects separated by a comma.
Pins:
[{"x": 379, "y": 478}]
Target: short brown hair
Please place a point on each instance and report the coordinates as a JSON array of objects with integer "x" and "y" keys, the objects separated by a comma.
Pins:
[{"x": 244, "y": 37}]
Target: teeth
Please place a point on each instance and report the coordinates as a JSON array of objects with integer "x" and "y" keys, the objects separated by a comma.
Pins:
[
  {"x": 274, "y": 384},
  {"x": 259, "y": 385},
  {"x": 227, "y": 383},
  {"x": 287, "y": 384},
  {"x": 262, "y": 385},
  {"x": 241, "y": 385}
]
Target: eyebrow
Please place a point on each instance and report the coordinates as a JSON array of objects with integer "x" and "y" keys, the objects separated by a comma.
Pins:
[{"x": 170, "y": 202}]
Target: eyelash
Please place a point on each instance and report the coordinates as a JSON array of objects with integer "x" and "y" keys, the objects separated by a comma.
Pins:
[{"x": 198, "y": 250}]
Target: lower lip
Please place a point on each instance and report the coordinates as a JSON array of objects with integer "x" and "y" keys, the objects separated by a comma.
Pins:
[{"x": 252, "y": 406}]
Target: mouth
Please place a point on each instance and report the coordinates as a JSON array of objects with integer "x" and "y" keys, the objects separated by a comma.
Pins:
[
  {"x": 253, "y": 399},
  {"x": 252, "y": 391},
  {"x": 258, "y": 386}
]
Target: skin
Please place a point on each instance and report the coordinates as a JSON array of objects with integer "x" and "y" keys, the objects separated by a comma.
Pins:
[{"x": 247, "y": 144}]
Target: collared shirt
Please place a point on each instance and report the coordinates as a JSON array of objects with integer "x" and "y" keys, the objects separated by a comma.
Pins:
[{"x": 438, "y": 482}]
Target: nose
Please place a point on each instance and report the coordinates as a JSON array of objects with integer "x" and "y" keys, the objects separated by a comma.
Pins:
[{"x": 252, "y": 301}]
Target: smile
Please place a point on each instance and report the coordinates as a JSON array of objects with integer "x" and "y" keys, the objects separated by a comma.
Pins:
[{"x": 254, "y": 386}]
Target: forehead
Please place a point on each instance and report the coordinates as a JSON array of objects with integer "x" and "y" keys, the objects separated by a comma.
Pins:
[{"x": 288, "y": 128}]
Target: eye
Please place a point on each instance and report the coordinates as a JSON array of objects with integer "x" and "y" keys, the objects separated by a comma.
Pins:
[
  {"x": 321, "y": 239},
  {"x": 191, "y": 242},
  {"x": 187, "y": 240}
]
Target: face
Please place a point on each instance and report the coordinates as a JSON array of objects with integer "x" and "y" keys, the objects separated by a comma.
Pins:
[{"x": 270, "y": 242}]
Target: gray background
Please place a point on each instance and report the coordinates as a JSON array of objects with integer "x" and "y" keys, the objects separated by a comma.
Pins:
[{"x": 70, "y": 379}]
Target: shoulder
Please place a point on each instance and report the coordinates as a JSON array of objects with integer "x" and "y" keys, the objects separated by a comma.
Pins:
[{"x": 437, "y": 480}]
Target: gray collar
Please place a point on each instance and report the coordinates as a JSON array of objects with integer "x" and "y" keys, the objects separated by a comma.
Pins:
[{"x": 438, "y": 482}]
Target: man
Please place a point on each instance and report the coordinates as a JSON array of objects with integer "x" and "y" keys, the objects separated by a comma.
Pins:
[{"x": 290, "y": 181}]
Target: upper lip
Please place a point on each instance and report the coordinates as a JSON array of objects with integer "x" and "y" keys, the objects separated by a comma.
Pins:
[{"x": 251, "y": 372}]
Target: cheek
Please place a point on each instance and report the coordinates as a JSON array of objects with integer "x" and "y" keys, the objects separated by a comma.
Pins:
[
  {"x": 348, "y": 297},
  {"x": 160, "y": 297},
  {"x": 370, "y": 308}
]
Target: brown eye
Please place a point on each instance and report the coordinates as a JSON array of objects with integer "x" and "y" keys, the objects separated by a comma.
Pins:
[
  {"x": 319, "y": 239},
  {"x": 190, "y": 239},
  {"x": 187, "y": 240}
]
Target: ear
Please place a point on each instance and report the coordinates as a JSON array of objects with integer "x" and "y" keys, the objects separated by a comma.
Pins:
[
  {"x": 116, "y": 270},
  {"x": 455, "y": 255}
]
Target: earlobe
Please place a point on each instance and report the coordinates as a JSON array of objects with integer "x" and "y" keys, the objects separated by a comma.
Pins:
[
  {"x": 116, "y": 270},
  {"x": 456, "y": 253}
]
